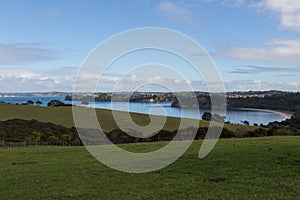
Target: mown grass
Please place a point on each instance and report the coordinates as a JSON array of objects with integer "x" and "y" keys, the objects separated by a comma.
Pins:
[
  {"x": 63, "y": 116},
  {"x": 249, "y": 168}
]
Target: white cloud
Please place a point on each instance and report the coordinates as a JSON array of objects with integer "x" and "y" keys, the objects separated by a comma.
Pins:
[
  {"x": 255, "y": 85},
  {"x": 135, "y": 78},
  {"x": 155, "y": 79},
  {"x": 294, "y": 84},
  {"x": 246, "y": 85},
  {"x": 51, "y": 12},
  {"x": 15, "y": 54},
  {"x": 229, "y": 3},
  {"x": 177, "y": 81},
  {"x": 233, "y": 3},
  {"x": 178, "y": 12},
  {"x": 287, "y": 51},
  {"x": 20, "y": 80},
  {"x": 252, "y": 69},
  {"x": 287, "y": 10},
  {"x": 28, "y": 80}
]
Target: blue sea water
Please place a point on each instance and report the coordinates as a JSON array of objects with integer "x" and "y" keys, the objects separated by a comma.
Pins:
[
  {"x": 233, "y": 116},
  {"x": 24, "y": 99}
]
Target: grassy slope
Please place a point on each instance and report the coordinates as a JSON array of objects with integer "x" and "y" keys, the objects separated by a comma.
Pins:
[
  {"x": 63, "y": 116},
  {"x": 256, "y": 168}
]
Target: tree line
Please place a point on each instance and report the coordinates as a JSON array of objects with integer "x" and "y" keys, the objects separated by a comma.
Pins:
[{"x": 34, "y": 132}]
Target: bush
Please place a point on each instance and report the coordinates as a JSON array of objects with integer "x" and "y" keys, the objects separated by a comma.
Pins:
[
  {"x": 55, "y": 103},
  {"x": 227, "y": 133},
  {"x": 66, "y": 138},
  {"x": 53, "y": 139},
  {"x": 118, "y": 136},
  {"x": 260, "y": 132},
  {"x": 33, "y": 131}
]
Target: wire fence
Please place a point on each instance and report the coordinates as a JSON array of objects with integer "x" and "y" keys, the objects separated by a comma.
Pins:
[{"x": 9, "y": 144}]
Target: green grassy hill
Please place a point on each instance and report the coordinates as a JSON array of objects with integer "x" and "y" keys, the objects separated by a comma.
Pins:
[
  {"x": 252, "y": 168},
  {"x": 63, "y": 116}
]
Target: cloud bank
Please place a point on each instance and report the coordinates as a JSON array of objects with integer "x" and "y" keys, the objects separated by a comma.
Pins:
[
  {"x": 33, "y": 81},
  {"x": 276, "y": 50}
]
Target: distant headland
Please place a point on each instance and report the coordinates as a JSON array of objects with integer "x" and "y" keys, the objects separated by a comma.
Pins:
[{"x": 274, "y": 100}]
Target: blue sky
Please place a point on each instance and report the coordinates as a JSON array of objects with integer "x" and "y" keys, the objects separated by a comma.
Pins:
[{"x": 255, "y": 44}]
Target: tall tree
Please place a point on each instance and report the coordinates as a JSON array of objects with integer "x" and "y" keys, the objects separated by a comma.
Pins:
[
  {"x": 206, "y": 116},
  {"x": 38, "y": 102},
  {"x": 29, "y": 102}
]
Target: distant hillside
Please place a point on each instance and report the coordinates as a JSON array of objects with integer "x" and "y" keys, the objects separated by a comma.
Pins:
[
  {"x": 123, "y": 97},
  {"x": 288, "y": 101}
]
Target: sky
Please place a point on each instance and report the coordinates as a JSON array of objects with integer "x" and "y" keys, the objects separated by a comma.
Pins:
[{"x": 255, "y": 44}]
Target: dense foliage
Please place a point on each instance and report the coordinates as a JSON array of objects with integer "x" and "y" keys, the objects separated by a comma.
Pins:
[
  {"x": 288, "y": 101},
  {"x": 122, "y": 97},
  {"x": 56, "y": 103},
  {"x": 33, "y": 131},
  {"x": 281, "y": 101}
]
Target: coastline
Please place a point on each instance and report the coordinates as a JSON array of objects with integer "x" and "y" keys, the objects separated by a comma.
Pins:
[{"x": 287, "y": 115}]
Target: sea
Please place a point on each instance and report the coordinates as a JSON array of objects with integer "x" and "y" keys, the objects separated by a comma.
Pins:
[{"x": 165, "y": 109}]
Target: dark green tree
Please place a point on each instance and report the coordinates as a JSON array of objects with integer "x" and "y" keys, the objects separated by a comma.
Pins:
[
  {"x": 29, "y": 102},
  {"x": 52, "y": 139},
  {"x": 55, "y": 103},
  {"x": 245, "y": 122},
  {"x": 206, "y": 116},
  {"x": 38, "y": 102},
  {"x": 36, "y": 136}
]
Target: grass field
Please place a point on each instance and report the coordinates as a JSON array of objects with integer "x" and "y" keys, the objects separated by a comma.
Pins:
[
  {"x": 253, "y": 168},
  {"x": 63, "y": 116}
]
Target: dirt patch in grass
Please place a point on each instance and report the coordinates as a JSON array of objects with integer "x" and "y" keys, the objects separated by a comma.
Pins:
[
  {"x": 217, "y": 180},
  {"x": 24, "y": 163}
]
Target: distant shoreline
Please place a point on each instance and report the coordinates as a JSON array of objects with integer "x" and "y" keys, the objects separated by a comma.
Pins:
[{"x": 286, "y": 114}]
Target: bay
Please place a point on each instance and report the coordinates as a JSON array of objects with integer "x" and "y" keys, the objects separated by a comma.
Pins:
[{"x": 165, "y": 109}]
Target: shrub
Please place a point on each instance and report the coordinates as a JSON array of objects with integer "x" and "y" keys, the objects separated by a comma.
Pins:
[
  {"x": 260, "y": 132},
  {"x": 53, "y": 139},
  {"x": 66, "y": 138},
  {"x": 227, "y": 133}
]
